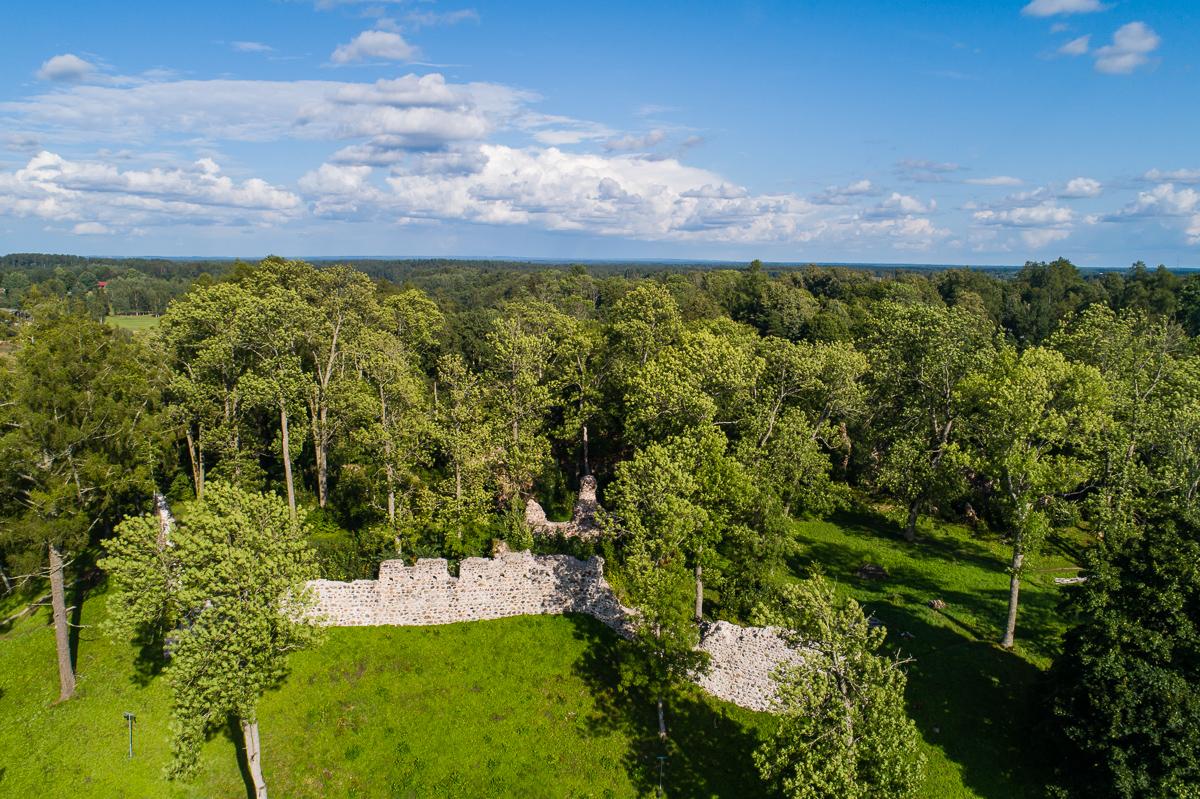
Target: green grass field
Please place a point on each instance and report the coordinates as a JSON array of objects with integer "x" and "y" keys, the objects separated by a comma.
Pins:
[
  {"x": 513, "y": 707},
  {"x": 527, "y": 706},
  {"x": 975, "y": 704},
  {"x": 138, "y": 323}
]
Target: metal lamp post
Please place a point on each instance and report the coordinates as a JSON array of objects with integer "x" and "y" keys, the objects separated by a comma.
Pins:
[{"x": 129, "y": 717}]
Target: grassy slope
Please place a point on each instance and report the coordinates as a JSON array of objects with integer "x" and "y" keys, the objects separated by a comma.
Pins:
[
  {"x": 510, "y": 707},
  {"x": 975, "y": 704},
  {"x": 526, "y": 707}
]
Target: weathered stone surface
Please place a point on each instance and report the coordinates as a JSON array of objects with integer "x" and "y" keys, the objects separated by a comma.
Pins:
[
  {"x": 513, "y": 584},
  {"x": 741, "y": 661},
  {"x": 583, "y": 519},
  {"x": 520, "y": 583}
]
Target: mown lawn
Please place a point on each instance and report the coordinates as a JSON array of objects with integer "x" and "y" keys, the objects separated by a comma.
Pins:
[
  {"x": 138, "y": 323},
  {"x": 975, "y": 704},
  {"x": 513, "y": 707}
]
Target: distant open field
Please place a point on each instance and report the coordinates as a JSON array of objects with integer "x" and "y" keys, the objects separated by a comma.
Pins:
[{"x": 138, "y": 324}]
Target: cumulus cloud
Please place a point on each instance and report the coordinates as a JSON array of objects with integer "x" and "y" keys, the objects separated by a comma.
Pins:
[
  {"x": 375, "y": 44},
  {"x": 408, "y": 112},
  {"x": 843, "y": 195},
  {"x": 1130, "y": 48},
  {"x": 1166, "y": 202},
  {"x": 995, "y": 180},
  {"x": 1076, "y": 46},
  {"x": 66, "y": 67},
  {"x": 1078, "y": 188},
  {"x": 95, "y": 195},
  {"x": 902, "y": 205},
  {"x": 1174, "y": 175},
  {"x": 610, "y": 195},
  {"x": 1036, "y": 225},
  {"x": 1050, "y": 8}
]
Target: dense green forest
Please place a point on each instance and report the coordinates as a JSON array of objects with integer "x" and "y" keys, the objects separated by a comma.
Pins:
[{"x": 350, "y": 413}]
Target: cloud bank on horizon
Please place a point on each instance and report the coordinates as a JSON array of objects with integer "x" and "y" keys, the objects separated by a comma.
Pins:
[{"x": 365, "y": 146}]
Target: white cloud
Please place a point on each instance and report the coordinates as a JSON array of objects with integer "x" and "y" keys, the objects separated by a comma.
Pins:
[
  {"x": 924, "y": 171},
  {"x": 996, "y": 180},
  {"x": 1027, "y": 216},
  {"x": 843, "y": 195},
  {"x": 66, "y": 67},
  {"x": 1076, "y": 46},
  {"x": 556, "y": 130},
  {"x": 423, "y": 112},
  {"x": 252, "y": 47},
  {"x": 634, "y": 143},
  {"x": 1078, "y": 188},
  {"x": 612, "y": 195},
  {"x": 94, "y": 194},
  {"x": 1131, "y": 47},
  {"x": 1050, "y": 8},
  {"x": 1036, "y": 225},
  {"x": 1040, "y": 238},
  {"x": 1165, "y": 202},
  {"x": 428, "y": 19},
  {"x": 90, "y": 229},
  {"x": 902, "y": 204},
  {"x": 375, "y": 44},
  {"x": 1174, "y": 175}
]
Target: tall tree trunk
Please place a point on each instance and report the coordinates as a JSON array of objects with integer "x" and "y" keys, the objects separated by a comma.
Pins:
[
  {"x": 62, "y": 640},
  {"x": 458, "y": 496},
  {"x": 391, "y": 482},
  {"x": 287, "y": 457},
  {"x": 254, "y": 758},
  {"x": 587, "y": 466},
  {"x": 196, "y": 457},
  {"x": 1014, "y": 590},
  {"x": 699, "y": 593},
  {"x": 662, "y": 721},
  {"x": 322, "y": 450},
  {"x": 910, "y": 527}
]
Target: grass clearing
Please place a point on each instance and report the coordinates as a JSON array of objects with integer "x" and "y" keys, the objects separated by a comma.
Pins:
[
  {"x": 512, "y": 707},
  {"x": 138, "y": 323},
  {"x": 527, "y": 706},
  {"x": 975, "y": 704}
]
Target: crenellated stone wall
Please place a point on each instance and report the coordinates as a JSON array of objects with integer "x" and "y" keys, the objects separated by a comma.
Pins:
[
  {"x": 512, "y": 584},
  {"x": 520, "y": 583}
]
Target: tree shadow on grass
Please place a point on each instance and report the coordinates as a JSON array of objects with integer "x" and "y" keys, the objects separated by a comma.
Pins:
[
  {"x": 709, "y": 751},
  {"x": 89, "y": 577},
  {"x": 232, "y": 732},
  {"x": 974, "y": 700},
  {"x": 978, "y": 703}
]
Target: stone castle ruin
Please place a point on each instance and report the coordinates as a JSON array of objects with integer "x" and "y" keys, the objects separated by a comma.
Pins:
[
  {"x": 519, "y": 584},
  {"x": 583, "y": 520}
]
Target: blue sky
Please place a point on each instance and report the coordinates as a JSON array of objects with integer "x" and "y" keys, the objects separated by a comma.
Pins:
[{"x": 938, "y": 132}]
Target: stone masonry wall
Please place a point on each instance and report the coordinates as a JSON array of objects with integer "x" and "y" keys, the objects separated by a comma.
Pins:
[{"x": 520, "y": 583}]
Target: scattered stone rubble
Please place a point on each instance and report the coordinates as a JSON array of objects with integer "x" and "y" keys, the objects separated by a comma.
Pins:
[
  {"x": 520, "y": 583},
  {"x": 583, "y": 520}
]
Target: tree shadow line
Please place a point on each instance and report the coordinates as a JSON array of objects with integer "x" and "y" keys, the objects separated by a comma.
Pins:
[{"x": 708, "y": 751}]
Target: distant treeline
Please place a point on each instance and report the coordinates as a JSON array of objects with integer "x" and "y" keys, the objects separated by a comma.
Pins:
[{"x": 821, "y": 302}]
